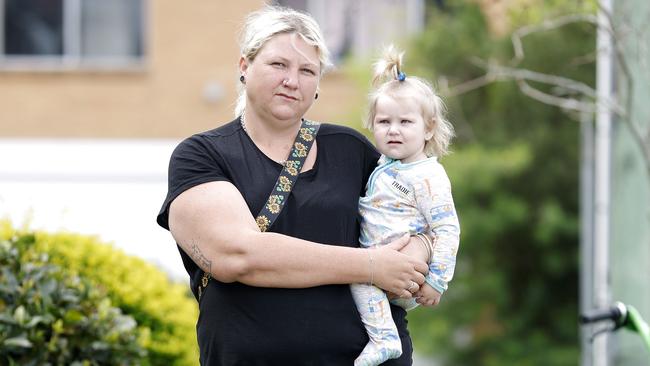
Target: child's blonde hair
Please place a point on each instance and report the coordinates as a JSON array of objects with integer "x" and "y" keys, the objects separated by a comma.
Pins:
[{"x": 392, "y": 82}]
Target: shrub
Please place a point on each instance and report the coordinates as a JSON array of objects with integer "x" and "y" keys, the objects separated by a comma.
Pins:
[
  {"x": 165, "y": 311},
  {"x": 48, "y": 316}
]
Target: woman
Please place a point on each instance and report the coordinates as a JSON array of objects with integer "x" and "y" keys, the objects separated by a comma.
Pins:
[{"x": 280, "y": 297}]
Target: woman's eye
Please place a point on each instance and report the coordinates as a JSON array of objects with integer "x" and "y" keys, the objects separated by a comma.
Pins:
[
  {"x": 277, "y": 64},
  {"x": 309, "y": 71}
]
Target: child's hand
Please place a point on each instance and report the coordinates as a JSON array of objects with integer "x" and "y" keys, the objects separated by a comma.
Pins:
[{"x": 427, "y": 296}]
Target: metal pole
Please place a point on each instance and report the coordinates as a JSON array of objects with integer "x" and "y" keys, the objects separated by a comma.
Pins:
[
  {"x": 604, "y": 86},
  {"x": 586, "y": 229}
]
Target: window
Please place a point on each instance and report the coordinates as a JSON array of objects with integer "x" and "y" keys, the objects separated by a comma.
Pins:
[
  {"x": 63, "y": 34},
  {"x": 334, "y": 18},
  {"x": 359, "y": 28}
]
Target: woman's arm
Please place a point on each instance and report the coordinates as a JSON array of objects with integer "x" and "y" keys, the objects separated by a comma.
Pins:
[{"x": 212, "y": 224}]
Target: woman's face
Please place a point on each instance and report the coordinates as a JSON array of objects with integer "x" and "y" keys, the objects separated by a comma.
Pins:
[{"x": 282, "y": 80}]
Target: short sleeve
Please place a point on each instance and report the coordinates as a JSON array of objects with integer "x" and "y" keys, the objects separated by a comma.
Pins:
[{"x": 194, "y": 161}]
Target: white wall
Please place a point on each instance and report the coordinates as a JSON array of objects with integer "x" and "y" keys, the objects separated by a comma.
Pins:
[{"x": 109, "y": 188}]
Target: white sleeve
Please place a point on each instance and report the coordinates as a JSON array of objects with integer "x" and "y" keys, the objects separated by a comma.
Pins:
[{"x": 434, "y": 200}]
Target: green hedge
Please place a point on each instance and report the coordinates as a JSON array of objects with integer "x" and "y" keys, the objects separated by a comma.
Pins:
[
  {"x": 48, "y": 316},
  {"x": 165, "y": 311}
]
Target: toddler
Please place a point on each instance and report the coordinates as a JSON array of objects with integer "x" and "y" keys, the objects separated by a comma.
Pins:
[{"x": 408, "y": 192}]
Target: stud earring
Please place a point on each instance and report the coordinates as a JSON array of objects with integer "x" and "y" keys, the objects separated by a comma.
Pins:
[
  {"x": 242, "y": 79},
  {"x": 316, "y": 96}
]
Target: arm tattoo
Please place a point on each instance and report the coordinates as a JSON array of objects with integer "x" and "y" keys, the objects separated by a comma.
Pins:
[{"x": 201, "y": 260}]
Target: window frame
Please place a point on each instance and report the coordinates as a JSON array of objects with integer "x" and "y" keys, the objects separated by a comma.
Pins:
[{"x": 71, "y": 59}]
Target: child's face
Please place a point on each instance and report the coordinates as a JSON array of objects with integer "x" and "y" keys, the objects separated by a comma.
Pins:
[{"x": 399, "y": 129}]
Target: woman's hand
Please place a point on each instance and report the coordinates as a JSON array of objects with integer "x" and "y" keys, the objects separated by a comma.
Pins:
[{"x": 395, "y": 272}]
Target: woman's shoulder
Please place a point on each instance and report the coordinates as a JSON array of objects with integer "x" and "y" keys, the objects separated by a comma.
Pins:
[
  {"x": 225, "y": 130},
  {"x": 208, "y": 139}
]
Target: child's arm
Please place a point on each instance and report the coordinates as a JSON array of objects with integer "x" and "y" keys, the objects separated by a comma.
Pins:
[{"x": 434, "y": 200}]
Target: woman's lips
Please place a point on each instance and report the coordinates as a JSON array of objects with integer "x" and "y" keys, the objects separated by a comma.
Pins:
[{"x": 286, "y": 96}]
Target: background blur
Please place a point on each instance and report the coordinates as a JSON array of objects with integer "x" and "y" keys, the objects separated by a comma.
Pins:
[{"x": 550, "y": 170}]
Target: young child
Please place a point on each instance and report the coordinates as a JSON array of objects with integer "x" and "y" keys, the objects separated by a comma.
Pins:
[{"x": 409, "y": 192}]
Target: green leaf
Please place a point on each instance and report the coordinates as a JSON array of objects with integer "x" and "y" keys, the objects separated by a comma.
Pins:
[
  {"x": 99, "y": 346},
  {"x": 35, "y": 321},
  {"x": 20, "y": 314},
  {"x": 20, "y": 342},
  {"x": 73, "y": 317}
]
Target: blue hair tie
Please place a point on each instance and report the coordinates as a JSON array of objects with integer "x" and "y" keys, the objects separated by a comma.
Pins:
[{"x": 401, "y": 76}]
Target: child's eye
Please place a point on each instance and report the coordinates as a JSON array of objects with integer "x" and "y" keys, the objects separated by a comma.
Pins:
[
  {"x": 382, "y": 121},
  {"x": 406, "y": 121}
]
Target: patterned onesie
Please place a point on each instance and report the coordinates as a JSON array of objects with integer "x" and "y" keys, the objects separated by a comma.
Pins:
[{"x": 404, "y": 198}]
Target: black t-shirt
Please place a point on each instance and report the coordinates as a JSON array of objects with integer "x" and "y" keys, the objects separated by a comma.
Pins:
[{"x": 245, "y": 325}]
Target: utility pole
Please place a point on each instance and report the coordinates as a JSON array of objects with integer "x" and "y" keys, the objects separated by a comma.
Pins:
[{"x": 602, "y": 175}]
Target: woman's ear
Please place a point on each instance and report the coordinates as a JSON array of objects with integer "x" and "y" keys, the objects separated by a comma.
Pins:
[{"x": 243, "y": 65}]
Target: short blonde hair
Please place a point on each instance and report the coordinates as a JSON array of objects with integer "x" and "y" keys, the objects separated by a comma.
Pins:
[
  {"x": 264, "y": 24},
  {"x": 392, "y": 82}
]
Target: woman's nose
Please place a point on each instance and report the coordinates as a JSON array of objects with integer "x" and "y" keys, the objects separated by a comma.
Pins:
[{"x": 290, "y": 80}]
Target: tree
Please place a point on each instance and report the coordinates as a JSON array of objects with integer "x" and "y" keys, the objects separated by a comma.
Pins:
[{"x": 515, "y": 179}]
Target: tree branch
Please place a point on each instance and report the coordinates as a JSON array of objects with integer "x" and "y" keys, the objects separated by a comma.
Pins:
[
  {"x": 564, "y": 103},
  {"x": 470, "y": 85},
  {"x": 546, "y": 25},
  {"x": 496, "y": 72}
]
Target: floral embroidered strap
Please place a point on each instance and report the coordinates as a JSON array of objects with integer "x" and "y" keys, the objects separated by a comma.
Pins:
[{"x": 283, "y": 186}]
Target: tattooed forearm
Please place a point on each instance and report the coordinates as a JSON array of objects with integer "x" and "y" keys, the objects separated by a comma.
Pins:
[{"x": 201, "y": 260}]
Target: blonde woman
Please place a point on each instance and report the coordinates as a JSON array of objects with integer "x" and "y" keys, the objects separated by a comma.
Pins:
[{"x": 278, "y": 294}]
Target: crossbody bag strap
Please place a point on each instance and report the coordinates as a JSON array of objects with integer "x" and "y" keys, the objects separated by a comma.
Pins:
[{"x": 283, "y": 186}]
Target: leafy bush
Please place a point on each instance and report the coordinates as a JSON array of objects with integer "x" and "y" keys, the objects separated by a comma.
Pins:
[
  {"x": 48, "y": 316},
  {"x": 165, "y": 311}
]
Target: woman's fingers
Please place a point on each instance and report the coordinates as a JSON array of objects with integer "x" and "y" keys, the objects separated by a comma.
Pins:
[
  {"x": 421, "y": 267},
  {"x": 399, "y": 243},
  {"x": 418, "y": 278},
  {"x": 413, "y": 287},
  {"x": 391, "y": 295},
  {"x": 406, "y": 294}
]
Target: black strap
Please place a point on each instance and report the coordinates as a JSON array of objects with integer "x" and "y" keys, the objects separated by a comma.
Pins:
[{"x": 283, "y": 186}]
